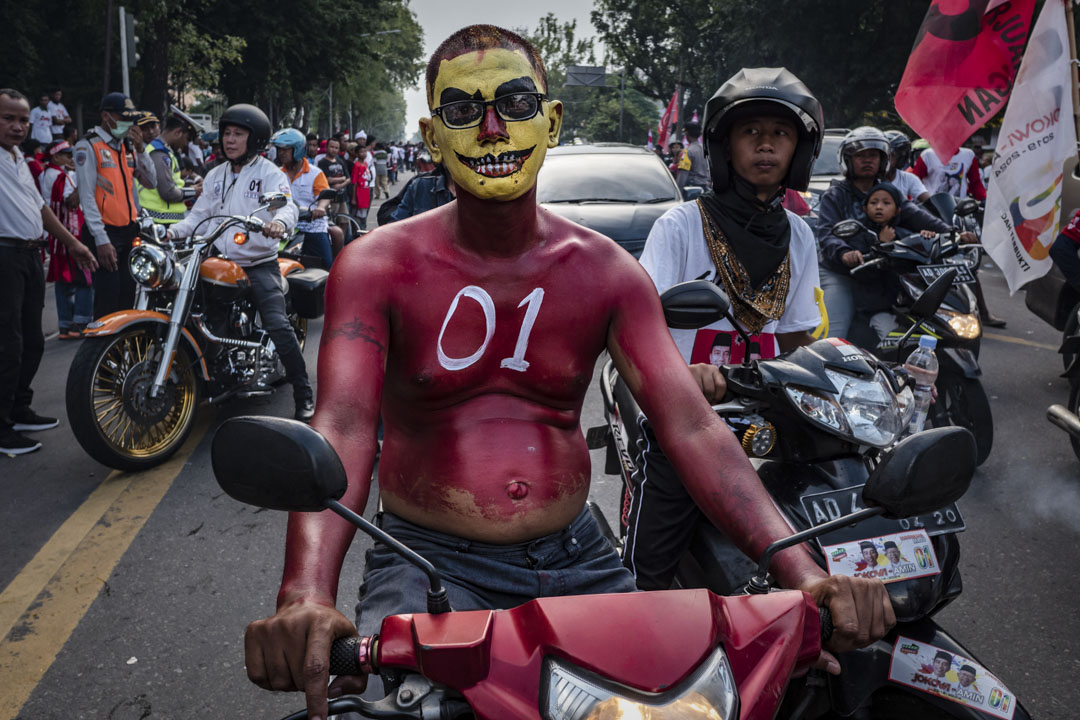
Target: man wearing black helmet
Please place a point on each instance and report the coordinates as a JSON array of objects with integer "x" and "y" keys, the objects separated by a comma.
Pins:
[
  {"x": 763, "y": 130},
  {"x": 899, "y": 160},
  {"x": 864, "y": 159},
  {"x": 233, "y": 188}
]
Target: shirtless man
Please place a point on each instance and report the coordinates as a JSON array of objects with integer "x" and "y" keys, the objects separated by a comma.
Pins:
[{"x": 475, "y": 328}]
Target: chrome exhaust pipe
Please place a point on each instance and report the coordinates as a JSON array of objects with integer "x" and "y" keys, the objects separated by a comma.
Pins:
[
  {"x": 1064, "y": 419},
  {"x": 233, "y": 342}
]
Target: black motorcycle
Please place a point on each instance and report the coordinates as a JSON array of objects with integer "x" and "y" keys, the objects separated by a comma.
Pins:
[
  {"x": 1067, "y": 417},
  {"x": 918, "y": 261},
  {"x": 815, "y": 422}
]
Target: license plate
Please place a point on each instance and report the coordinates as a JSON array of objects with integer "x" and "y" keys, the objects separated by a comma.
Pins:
[
  {"x": 930, "y": 273},
  {"x": 822, "y": 507}
]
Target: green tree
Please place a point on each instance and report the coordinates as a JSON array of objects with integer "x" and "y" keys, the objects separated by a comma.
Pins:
[
  {"x": 589, "y": 113},
  {"x": 851, "y": 53}
]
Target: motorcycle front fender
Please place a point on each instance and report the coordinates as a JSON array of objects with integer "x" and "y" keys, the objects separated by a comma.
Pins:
[
  {"x": 866, "y": 671},
  {"x": 118, "y": 321},
  {"x": 961, "y": 359}
]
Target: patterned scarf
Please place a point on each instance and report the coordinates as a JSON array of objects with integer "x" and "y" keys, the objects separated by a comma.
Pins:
[{"x": 752, "y": 307}]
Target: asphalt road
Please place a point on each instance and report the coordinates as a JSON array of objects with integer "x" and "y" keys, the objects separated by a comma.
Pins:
[{"x": 126, "y": 597}]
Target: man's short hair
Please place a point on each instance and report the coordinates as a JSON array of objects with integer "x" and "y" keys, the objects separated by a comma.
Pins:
[
  {"x": 13, "y": 94},
  {"x": 173, "y": 123},
  {"x": 693, "y": 130},
  {"x": 312, "y": 136},
  {"x": 475, "y": 38}
]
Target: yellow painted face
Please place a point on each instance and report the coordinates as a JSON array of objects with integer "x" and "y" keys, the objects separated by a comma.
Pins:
[{"x": 498, "y": 159}]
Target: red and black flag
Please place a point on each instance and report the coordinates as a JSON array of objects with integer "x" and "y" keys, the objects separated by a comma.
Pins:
[{"x": 961, "y": 68}]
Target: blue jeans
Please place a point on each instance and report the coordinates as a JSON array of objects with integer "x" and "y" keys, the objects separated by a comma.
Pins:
[
  {"x": 1066, "y": 255},
  {"x": 477, "y": 576},
  {"x": 74, "y": 304},
  {"x": 318, "y": 244},
  {"x": 839, "y": 292}
]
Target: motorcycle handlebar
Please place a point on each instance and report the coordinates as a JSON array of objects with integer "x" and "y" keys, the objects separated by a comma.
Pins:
[
  {"x": 866, "y": 265},
  {"x": 346, "y": 655}
]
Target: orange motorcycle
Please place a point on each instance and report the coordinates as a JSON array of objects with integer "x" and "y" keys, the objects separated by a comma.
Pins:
[{"x": 135, "y": 384}]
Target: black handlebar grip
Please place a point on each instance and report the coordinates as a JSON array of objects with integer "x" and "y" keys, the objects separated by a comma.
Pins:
[
  {"x": 345, "y": 656},
  {"x": 826, "y": 624}
]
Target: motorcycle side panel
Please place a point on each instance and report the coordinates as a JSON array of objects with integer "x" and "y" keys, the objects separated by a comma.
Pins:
[
  {"x": 115, "y": 322},
  {"x": 865, "y": 671},
  {"x": 962, "y": 359},
  {"x": 648, "y": 642}
]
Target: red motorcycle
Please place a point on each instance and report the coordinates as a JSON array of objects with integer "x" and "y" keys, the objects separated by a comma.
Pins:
[{"x": 686, "y": 654}]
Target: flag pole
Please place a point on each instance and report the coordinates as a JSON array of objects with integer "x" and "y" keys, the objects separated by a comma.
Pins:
[{"x": 1070, "y": 22}]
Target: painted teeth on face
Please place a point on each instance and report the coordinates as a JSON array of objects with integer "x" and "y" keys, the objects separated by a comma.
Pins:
[{"x": 504, "y": 164}]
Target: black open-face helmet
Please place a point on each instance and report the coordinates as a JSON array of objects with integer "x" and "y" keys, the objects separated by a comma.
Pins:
[
  {"x": 757, "y": 91},
  {"x": 254, "y": 121},
  {"x": 859, "y": 139}
]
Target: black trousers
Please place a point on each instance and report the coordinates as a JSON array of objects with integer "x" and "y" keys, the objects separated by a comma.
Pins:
[
  {"x": 662, "y": 517},
  {"x": 22, "y": 297},
  {"x": 270, "y": 301},
  {"x": 114, "y": 290}
]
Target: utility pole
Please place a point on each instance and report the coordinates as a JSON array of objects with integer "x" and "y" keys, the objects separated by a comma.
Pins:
[
  {"x": 622, "y": 102},
  {"x": 124, "y": 53},
  {"x": 108, "y": 45},
  {"x": 331, "y": 122}
]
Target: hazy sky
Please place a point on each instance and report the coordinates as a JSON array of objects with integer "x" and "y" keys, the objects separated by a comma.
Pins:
[{"x": 439, "y": 18}]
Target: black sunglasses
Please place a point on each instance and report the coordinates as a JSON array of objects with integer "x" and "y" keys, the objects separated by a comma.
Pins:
[{"x": 468, "y": 113}]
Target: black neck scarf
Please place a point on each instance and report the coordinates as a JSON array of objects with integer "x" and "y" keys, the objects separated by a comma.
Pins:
[{"x": 758, "y": 233}]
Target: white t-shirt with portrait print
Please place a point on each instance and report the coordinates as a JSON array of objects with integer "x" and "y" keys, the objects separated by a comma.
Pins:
[{"x": 676, "y": 252}]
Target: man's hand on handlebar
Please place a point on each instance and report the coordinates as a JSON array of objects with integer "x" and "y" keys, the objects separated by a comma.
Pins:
[
  {"x": 317, "y": 212},
  {"x": 290, "y": 651},
  {"x": 862, "y": 613},
  {"x": 710, "y": 380},
  {"x": 852, "y": 258},
  {"x": 968, "y": 238},
  {"x": 273, "y": 230}
]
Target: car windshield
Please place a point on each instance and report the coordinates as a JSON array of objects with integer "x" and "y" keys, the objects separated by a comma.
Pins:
[
  {"x": 827, "y": 162},
  {"x": 604, "y": 177}
]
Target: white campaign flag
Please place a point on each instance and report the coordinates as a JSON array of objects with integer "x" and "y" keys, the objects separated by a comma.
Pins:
[{"x": 1023, "y": 203}]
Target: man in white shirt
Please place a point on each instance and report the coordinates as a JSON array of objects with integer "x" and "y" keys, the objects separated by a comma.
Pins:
[
  {"x": 763, "y": 130},
  {"x": 24, "y": 217},
  {"x": 59, "y": 115},
  {"x": 41, "y": 121}
]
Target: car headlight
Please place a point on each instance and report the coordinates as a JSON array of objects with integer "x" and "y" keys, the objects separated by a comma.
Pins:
[
  {"x": 150, "y": 265},
  {"x": 965, "y": 325},
  {"x": 576, "y": 694},
  {"x": 871, "y": 407}
]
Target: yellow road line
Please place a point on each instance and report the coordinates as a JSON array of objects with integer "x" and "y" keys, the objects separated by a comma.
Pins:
[
  {"x": 70, "y": 569},
  {"x": 1020, "y": 341}
]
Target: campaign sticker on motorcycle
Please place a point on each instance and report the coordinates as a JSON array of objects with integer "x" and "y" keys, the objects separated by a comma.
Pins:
[
  {"x": 945, "y": 674},
  {"x": 849, "y": 351},
  {"x": 889, "y": 558}
]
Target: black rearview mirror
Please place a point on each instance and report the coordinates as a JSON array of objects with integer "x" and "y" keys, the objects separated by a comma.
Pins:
[
  {"x": 694, "y": 304},
  {"x": 847, "y": 229},
  {"x": 923, "y": 472},
  {"x": 928, "y": 303},
  {"x": 328, "y": 194},
  {"x": 943, "y": 205},
  {"x": 274, "y": 200},
  {"x": 277, "y": 464}
]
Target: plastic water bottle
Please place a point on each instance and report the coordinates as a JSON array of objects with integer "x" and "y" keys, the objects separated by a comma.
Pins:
[{"x": 923, "y": 366}]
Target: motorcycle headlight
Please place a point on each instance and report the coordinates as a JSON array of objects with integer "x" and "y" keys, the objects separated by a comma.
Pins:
[
  {"x": 819, "y": 408},
  {"x": 873, "y": 413},
  {"x": 965, "y": 325},
  {"x": 572, "y": 693},
  {"x": 906, "y": 400},
  {"x": 150, "y": 265}
]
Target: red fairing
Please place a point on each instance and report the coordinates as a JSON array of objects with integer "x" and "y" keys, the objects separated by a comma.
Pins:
[{"x": 649, "y": 641}]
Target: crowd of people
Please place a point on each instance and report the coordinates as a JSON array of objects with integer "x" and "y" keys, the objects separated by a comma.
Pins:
[{"x": 96, "y": 188}]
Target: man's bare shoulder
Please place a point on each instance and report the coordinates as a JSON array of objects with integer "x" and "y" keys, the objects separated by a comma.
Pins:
[{"x": 589, "y": 247}]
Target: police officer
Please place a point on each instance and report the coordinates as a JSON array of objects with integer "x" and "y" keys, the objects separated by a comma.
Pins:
[
  {"x": 233, "y": 188},
  {"x": 107, "y": 162},
  {"x": 165, "y": 201}
]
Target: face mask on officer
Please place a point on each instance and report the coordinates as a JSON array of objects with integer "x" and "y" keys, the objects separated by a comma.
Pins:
[{"x": 121, "y": 129}]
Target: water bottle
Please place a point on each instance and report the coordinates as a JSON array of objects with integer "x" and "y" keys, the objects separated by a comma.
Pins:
[{"x": 923, "y": 366}]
